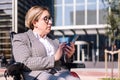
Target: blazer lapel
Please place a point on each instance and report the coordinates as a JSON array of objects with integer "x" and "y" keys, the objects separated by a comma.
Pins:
[{"x": 36, "y": 44}]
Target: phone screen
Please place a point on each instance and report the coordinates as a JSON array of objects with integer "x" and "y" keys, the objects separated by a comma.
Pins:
[{"x": 73, "y": 39}]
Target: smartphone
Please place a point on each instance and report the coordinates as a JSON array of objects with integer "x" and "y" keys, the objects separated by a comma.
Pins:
[{"x": 74, "y": 38}]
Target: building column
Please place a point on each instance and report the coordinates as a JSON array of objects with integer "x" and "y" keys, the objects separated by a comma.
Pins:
[{"x": 97, "y": 45}]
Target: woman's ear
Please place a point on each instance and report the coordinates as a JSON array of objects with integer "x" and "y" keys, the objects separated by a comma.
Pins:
[{"x": 34, "y": 23}]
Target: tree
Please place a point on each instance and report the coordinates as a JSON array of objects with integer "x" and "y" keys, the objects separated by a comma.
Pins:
[{"x": 113, "y": 20}]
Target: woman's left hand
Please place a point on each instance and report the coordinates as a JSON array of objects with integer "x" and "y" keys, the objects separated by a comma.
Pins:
[{"x": 69, "y": 50}]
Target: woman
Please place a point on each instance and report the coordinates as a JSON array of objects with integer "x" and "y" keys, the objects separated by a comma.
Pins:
[{"x": 44, "y": 57}]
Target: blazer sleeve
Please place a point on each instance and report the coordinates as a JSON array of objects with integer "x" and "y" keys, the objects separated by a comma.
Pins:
[{"x": 22, "y": 53}]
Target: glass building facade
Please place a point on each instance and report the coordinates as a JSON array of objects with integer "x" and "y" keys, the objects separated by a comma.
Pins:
[
  {"x": 78, "y": 13},
  {"x": 83, "y": 17}
]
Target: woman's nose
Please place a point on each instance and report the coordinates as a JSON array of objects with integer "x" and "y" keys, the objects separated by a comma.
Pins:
[{"x": 50, "y": 21}]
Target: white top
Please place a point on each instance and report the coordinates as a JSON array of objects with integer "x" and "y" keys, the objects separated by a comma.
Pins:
[{"x": 49, "y": 48}]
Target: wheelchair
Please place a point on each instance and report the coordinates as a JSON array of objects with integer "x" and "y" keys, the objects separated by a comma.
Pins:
[{"x": 15, "y": 69}]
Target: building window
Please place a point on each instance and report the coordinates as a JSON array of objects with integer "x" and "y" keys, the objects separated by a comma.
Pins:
[
  {"x": 91, "y": 12},
  {"x": 79, "y": 12},
  {"x": 58, "y": 19},
  {"x": 102, "y": 13},
  {"x": 58, "y": 12},
  {"x": 68, "y": 15}
]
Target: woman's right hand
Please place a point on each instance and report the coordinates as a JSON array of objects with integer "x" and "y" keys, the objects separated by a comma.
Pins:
[{"x": 59, "y": 52}]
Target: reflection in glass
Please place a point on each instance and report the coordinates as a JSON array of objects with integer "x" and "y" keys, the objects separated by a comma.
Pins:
[
  {"x": 58, "y": 16},
  {"x": 68, "y": 15},
  {"x": 102, "y": 13},
  {"x": 91, "y": 16},
  {"x": 68, "y": 1},
  {"x": 91, "y": 6},
  {"x": 80, "y": 15},
  {"x": 91, "y": 0},
  {"x": 80, "y": 1}
]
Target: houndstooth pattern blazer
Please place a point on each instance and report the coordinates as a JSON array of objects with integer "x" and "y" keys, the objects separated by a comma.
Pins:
[{"x": 30, "y": 51}]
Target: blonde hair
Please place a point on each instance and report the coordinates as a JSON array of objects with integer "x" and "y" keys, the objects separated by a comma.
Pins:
[{"x": 34, "y": 14}]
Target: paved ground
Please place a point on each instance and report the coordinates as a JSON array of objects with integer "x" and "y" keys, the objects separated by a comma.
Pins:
[
  {"x": 93, "y": 71},
  {"x": 94, "y": 74},
  {"x": 84, "y": 73}
]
